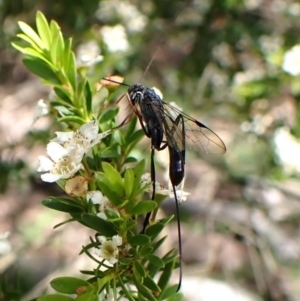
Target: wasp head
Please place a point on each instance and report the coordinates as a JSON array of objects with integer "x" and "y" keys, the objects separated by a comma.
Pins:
[{"x": 136, "y": 93}]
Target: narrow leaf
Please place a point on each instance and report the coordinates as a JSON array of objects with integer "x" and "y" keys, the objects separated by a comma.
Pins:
[
  {"x": 63, "y": 94},
  {"x": 150, "y": 283},
  {"x": 102, "y": 226},
  {"x": 155, "y": 260},
  {"x": 138, "y": 268},
  {"x": 128, "y": 182},
  {"x": 166, "y": 275},
  {"x": 143, "y": 207},
  {"x": 170, "y": 293},
  {"x": 43, "y": 29},
  {"x": 54, "y": 297},
  {"x": 66, "y": 54},
  {"x": 31, "y": 34},
  {"x": 139, "y": 240},
  {"x": 41, "y": 69},
  {"x": 114, "y": 178},
  {"x": 61, "y": 204},
  {"x": 154, "y": 229},
  {"x": 88, "y": 97},
  {"x": 143, "y": 290},
  {"x": 56, "y": 49},
  {"x": 71, "y": 71},
  {"x": 68, "y": 285},
  {"x": 68, "y": 119},
  {"x": 30, "y": 41}
]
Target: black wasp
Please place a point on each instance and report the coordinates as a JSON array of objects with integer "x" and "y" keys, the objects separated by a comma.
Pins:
[{"x": 167, "y": 126}]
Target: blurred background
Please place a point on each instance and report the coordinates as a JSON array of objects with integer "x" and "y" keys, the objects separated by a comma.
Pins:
[{"x": 233, "y": 65}]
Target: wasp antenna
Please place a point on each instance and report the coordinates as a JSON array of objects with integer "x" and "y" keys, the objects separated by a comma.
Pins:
[
  {"x": 150, "y": 63},
  {"x": 116, "y": 82}
]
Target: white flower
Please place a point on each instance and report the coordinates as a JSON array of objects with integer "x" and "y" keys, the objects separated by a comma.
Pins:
[
  {"x": 98, "y": 198},
  {"x": 60, "y": 166},
  {"x": 88, "y": 54},
  {"x": 162, "y": 190},
  {"x": 291, "y": 61},
  {"x": 67, "y": 150},
  {"x": 288, "y": 149},
  {"x": 115, "y": 38},
  {"x": 80, "y": 142},
  {"x": 95, "y": 196},
  {"x": 41, "y": 109},
  {"x": 181, "y": 194},
  {"x": 5, "y": 246},
  {"x": 109, "y": 248}
]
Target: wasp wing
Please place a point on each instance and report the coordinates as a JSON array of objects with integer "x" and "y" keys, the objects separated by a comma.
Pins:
[{"x": 203, "y": 139}]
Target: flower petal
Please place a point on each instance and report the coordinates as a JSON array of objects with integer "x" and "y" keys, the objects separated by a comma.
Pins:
[
  {"x": 89, "y": 130},
  {"x": 117, "y": 240},
  {"x": 56, "y": 151},
  {"x": 62, "y": 137},
  {"x": 95, "y": 196},
  {"x": 45, "y": 164},
  {"x": 49, "y": 177}
]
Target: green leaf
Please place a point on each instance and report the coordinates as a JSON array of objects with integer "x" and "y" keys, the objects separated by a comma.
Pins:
[
  {"x": 110, "y": 152},
  {"x": 54, "y": 28},
  {"x": 57, "y": 48},
  {"x": 114, "y": 178},
  {"x": 125, "y": 261},
  {"x": 144, "y": 251},
  {"x": 68, "y": 285},
  {"x": 29, "y": 41},
  {"x": 31, "y": 34},
  {"x": 155, "y": 260},
  {"x": 150, "y": 283},
  {"x": 139, "y": 240},
  {"x": 113, "y": 216},
  {"x": 90, "y": 296},
  {"x": 20, "y": 46},
  {"x": 130, "y": 160},
  {"x": 43, "y": 29},
  {"x": 70, "y": 119},
  {"x": 54, "y": 297},
  {"x": 66, "y": 54},
  {"x": 108, "y": 116},
  {"x": 63, "y": 94},
  {"x": 154, "y": 229},
  {"x": 109, "y": 192},
  {"x": 88, "y": 97},
  {"x": 138, "y": 268},
  {"x": 143, "y": 290},
  {"x": 130, "y": 128},
  {"x": 139, "y": 170},
  {"x": 31, "y": 52},
  {"x": 71, "y": 70},
  {"x": 128, "y": 182},
  {"x": 172, "y": 255},
  {"x": 102, "y": 226},
  {"x": 41, "y": 69},
  {"x": 166, "y": 275},
  {"x": 60, "y": 204},
  {"x": 176, "y": 296},
  {"x": 134, "y": 139},
  {"x": 158, "y": 243},
  {"x": 131, "y": 224},
  {"x": 143, "y": 207}
]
